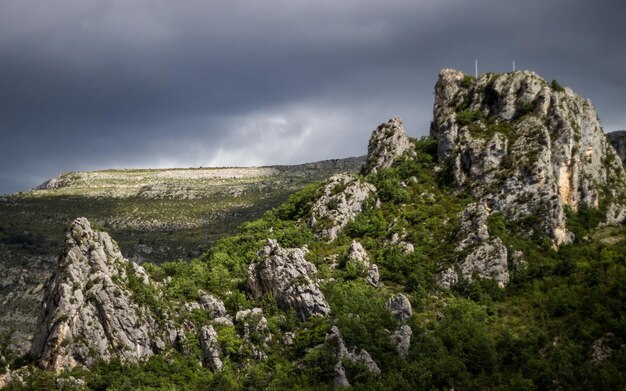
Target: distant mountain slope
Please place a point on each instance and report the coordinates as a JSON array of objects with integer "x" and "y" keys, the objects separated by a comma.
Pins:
[{"x": 158, "y": 215}]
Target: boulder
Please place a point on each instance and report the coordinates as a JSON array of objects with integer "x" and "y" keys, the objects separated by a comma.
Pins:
[
  {"x": 289, "y": 277},
  {"x": 255, "y": 332},
  {"x": 400, "y": 307}
]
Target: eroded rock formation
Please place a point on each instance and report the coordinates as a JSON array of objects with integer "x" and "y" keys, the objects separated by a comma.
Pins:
[
  {"x": 355, "y": 356},
  {"x": 359, "y": 258},
  {"x": 90, "y": 314},
  {"x": 526, "y": 147},
  {"x": 289, "y": 277},
  {"x": 341, "y": 201},
  {"x": 387, "y": 142}
]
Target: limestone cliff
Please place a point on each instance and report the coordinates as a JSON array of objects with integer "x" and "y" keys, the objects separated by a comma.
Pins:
[
  {"x": 90, "y": 314},
  {"x": 526, "y": 148}
]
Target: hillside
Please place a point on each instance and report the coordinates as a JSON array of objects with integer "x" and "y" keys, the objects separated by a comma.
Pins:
[
  {"x": 157, "y": 215},
  {"x": 490, "y": 255}
]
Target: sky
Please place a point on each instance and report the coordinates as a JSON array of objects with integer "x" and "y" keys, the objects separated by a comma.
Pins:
[{"x": 96, "y": 84}]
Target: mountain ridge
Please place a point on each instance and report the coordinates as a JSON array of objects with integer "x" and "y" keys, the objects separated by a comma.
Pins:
[{"x": 420, "y": 272}]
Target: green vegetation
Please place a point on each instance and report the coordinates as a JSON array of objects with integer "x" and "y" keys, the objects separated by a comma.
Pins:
[
  {"x": 556, "y": 86},
  {"x": 536, "y": 334}
]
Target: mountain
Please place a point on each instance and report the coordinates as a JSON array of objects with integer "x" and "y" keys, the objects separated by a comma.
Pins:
[
  {"x": 160, "y": 215},
  {"x": 490, "y": 255}
]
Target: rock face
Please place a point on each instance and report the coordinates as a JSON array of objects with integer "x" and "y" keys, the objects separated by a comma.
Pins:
[
  {"x": 526, "y": 148},
  {"x": 253, "y": 327},
  {"x": 356, "y": 356},
  {"x": 487, "y": 257},
  {"x": 387, "y": 142},
  {"x": 618, "y": 140},
  {"x": 90, "y": 314},
  {"x": 402, "y": 339},
  {"x": 400, "y": 307},
  {"x": 211, "y": 348},
  {"x": 287, "y": 275},
  {"x": 341, "y": 201},
  {"x": 358, "y": 256}
]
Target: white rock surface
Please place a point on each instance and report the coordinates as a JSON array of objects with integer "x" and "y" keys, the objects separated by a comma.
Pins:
[
  {"x": 341, "y": 201},
  {"x": 541, "y": 149},
  {"x": 356, "y": 356},
  {"x": 387, "y": 142},
  {"x": 400, "y": 307},
  {"x": 358, "y": 256},
  {"x": 402, "y": 340},
  {"x": 211, "y": 348},
  {"x": 90, "y": 314},
  {"x": 289, "y": 277}
]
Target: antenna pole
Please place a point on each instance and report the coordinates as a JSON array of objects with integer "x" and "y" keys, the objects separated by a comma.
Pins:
[
  {"x": 513, "y": 65},
  {"x": 476, "y": 67}
]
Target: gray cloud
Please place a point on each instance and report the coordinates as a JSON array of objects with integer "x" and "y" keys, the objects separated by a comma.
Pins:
[{"x": 107, "y": 83}]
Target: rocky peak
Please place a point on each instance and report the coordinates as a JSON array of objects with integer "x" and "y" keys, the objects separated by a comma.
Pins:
[
  {"x": 526, "y": 147},
  {"x": 90, "y": 314},
  {"x": 387, "y": 142},
  {"x": 289, "y": 277},
  {"x": 618, "y": 140}
]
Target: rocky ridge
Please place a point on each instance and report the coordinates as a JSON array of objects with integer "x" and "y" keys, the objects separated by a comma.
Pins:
[
  {"x": 522, "y": 147},
  {"x": 89, "y": 314}
]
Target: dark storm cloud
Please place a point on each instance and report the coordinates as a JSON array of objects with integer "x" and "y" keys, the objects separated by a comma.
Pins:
[{"x": 97, "y": 84}]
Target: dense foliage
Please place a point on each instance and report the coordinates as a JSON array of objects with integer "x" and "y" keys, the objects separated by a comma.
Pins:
[{"x": 538, "y": 333}]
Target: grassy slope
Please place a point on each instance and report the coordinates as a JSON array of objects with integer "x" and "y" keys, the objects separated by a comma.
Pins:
[{"x": 156, "y": 215}]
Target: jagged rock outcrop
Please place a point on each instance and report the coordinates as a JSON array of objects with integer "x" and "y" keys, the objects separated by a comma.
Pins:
[
  {"x": 400, "y": 307},
  {"x": 253, "y": 327},
  {"x": 89, "y": 314},
  {"x": 289, "y": 277},
  {"x": 211, "y": 348},
  {"x": 526, "y": 148},
  {"x": 341, "y": 201},
  {"x": 402, "y": 338},
  {"x": 387, "y": 142},
  {"x": 208, "y": 303},
  {"x": 358, "y": 256},
  {"x": 356, "y": 356},
  {"x": 487, "y": 256},
  {"x": 618, "y": 140}
]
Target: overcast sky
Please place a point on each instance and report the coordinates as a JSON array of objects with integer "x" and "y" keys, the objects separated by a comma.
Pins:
[{"x": 94, "y": 84}]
